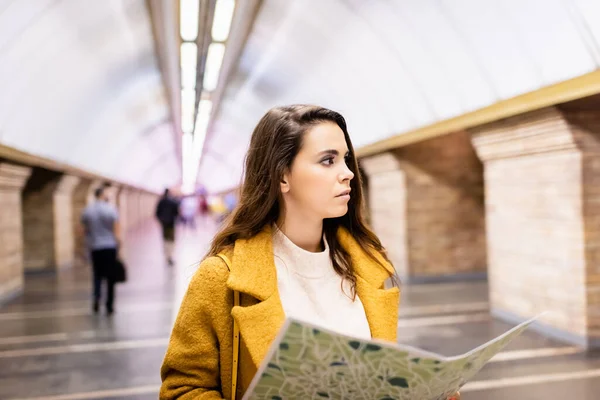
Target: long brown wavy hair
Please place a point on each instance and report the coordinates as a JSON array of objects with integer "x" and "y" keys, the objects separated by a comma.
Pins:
[{"x": 275, "y": 142}]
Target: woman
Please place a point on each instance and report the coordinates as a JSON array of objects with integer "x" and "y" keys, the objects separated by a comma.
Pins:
[{"x": 298, "y": 247}]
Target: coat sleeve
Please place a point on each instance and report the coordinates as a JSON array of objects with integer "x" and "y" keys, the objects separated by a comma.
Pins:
[{"x": 190, "y": 369}]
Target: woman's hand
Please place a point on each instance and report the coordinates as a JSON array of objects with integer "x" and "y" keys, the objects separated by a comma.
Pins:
[{"x": 455, "y": 396}]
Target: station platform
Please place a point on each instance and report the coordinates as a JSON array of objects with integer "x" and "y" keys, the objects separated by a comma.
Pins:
[{"x": 53, "y": 348}]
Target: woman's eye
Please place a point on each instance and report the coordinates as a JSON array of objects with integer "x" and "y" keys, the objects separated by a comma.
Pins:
[{"x": 327, "y": 161}]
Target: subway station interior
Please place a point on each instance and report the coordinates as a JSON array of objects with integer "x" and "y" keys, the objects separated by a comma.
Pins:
[{"x": 476, "y": 126}]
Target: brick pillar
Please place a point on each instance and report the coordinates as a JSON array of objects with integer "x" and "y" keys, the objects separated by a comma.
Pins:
[
  {"x": 38, "y": 219},
  {"x": 12, "y": 180},
  {"x": 387, "y": 207},
  {"x": 122, "y": 206},
  {"x": 131, "y": 214},
  {"x": 543, "y": 229},
  {"x": 426, "y": 204},
  {"x": 134, "y": 206},
  {"x": 152, "y": 202},
  {"x": 147, "y": 206},
  {"x": 64, "y": 220},
  {"x": 143, "y": 210},
  {"x": 143, "y": 206}
]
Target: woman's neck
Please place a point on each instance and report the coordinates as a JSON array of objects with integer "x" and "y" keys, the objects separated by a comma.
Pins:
[{"x": 303, "y": 232}]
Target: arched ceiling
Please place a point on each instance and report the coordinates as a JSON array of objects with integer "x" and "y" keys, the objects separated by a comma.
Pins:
[
  {"x": 393, "y": 66},
  {"x": 80, "y": 84}
]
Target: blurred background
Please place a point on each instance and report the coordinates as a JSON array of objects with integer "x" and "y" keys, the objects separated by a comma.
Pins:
[{"x": 476, "y": 123}]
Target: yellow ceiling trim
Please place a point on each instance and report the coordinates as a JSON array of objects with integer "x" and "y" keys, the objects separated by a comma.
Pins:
[
  {"x": 572, "y": 89},
  {"x": 21, "y": 157}
]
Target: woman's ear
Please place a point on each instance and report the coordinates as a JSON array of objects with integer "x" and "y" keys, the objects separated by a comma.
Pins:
[{"x": 284, "y": 183}]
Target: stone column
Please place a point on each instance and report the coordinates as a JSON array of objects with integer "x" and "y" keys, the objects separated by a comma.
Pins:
[
  {"x": 426, "y": 205},
  {"x": 38, "y": 219},
  {"x": 48, "y": 220},
  {"x": 152, "y": 202},
  {"x": 387, "y": 207},
  {"x": 12, "y": 180},
  {"x": 143, "y": 206},
  {"x": 122, "y": 206},
  {"x": 64, "y": 220},
  {"x": 542, "y": 172},
  {"x": 147, "y": 206},
  {"x": 135, "y": 207}
]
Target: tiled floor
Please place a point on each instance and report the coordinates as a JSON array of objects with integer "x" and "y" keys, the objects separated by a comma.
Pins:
[{"x": 53, "y": 348}]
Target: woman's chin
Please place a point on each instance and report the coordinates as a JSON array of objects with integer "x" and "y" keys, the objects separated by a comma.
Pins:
[{"x": 336, "y": 212}]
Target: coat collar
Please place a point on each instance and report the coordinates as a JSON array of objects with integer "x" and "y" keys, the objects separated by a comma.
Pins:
[
  {"x": 253, "y": 273},
  {"x": 381, "y": 305},
  {"x": 372, "y": 272},
  {"x": 253, "y": 266}
]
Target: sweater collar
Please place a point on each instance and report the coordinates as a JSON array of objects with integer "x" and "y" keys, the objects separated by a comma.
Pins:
[
  {"x": 253, "y": 267},
  {"x": 299, "y": 261}
]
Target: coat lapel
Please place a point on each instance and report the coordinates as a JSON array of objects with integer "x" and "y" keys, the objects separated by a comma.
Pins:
[
  {"x": 381, "y": 308},
  {"x": 253, "y": 273},
  {"x": 380, "y": 304}
]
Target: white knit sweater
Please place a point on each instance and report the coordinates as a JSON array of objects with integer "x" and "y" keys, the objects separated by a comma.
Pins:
[{"x": 311, "y": 290}]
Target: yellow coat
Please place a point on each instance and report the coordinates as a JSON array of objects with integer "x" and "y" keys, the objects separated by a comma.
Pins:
[{"x": 198, "y": 362}]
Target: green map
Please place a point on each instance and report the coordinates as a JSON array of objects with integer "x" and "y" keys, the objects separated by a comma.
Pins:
[{"x": 307, "y": 362}]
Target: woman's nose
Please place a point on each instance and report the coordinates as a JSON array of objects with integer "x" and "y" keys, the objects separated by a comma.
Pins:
[{"x": 346, "y": 174}]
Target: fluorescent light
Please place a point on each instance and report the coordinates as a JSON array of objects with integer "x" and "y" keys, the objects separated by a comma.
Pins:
[
  {"x": 188, "y": 78},
  {"x": 204, "y": 109},
  {"x": 214, "y": 59},
  {"x": 202, "y": 120},
  {"x": 203, "y": 117},
  {"x": 188, "y": 19},
  {"x": 188, "y": 101},
  {"x": 187, "y": 122},
  {"x": 222, "y": 19},
  {"x": 186, "y": 154},
  {"x": 192, "y": 151},
  {"x": 189, "y": 55},
  {"x": 188, "y": 168},
  {"x": 188, "y": 61},
  {"x": 186, "y": 142},
  {"x": 192, "y": 164}
]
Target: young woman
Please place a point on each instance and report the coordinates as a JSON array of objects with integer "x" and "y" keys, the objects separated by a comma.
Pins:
[{"x": 297, "y": 246}]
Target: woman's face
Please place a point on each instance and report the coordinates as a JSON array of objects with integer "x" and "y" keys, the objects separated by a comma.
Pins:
[{"x": 318, "y": 183}]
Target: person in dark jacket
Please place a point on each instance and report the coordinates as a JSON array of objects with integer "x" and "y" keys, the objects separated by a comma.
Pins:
[{"x": 167, "y": 212}]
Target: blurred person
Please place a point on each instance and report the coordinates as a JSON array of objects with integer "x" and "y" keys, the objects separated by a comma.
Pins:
[
  {"x": 100, "y": 222},
  {"x": 219, "y": 208},
  {"x": 188, "y": 209},
  {"x": 203, "y": 203},
  {"x": 167, "y": 212},
  {"x": 230, "y": 201},
  {"x": 296, "y": 246},
  {"x": 203, "y": 208}
]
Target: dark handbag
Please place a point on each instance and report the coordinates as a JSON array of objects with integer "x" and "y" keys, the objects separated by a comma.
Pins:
[{"x": 120, "y": 271}]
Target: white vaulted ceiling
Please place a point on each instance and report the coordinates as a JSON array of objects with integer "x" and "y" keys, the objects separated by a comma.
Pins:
[
  {"x": 80, "y": 84},
  {"x": 390, "y": 66}
]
